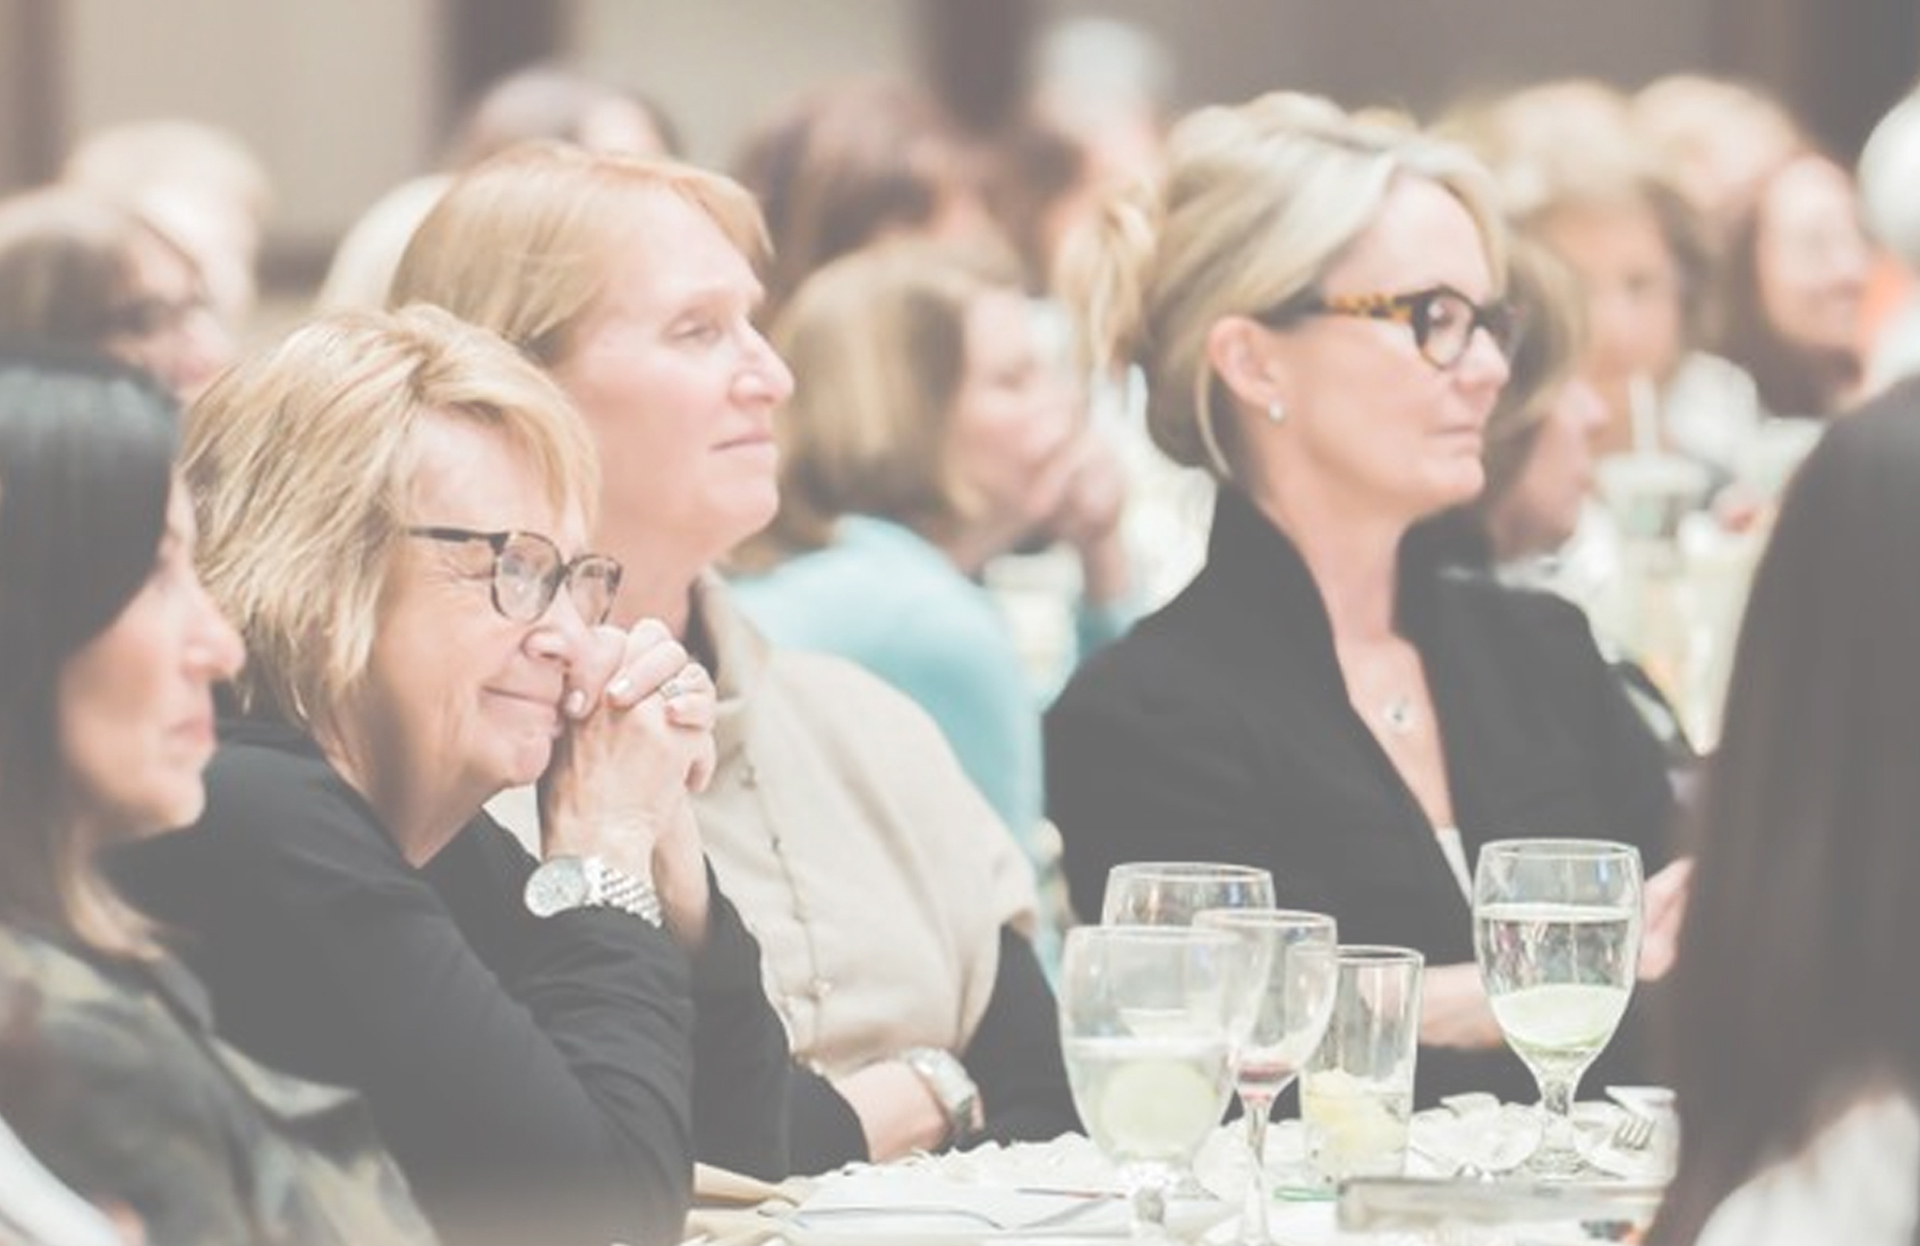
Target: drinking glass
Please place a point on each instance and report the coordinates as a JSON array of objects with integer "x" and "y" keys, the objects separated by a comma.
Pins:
[
  {"x": 1169, "y": 893},
  {"x": 1556, "y": 930},
  {"x": 1356, "y": 1092},
  {"x": 1284, "y": 1011},
  {"x": 1144, "y": 1016}
]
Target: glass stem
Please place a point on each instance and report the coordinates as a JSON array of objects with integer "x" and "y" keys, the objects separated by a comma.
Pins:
[
  {"x": 1148, "y": 1201},
  {"x": 1558, "y": 1153},
  {"x": 1256, "y": 1107}
]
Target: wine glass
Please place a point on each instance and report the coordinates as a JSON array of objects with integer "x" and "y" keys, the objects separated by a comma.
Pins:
[
  {"x": 1144, "y": 1017},
  {"x": 1556, "y": 930},
  {"x": 1290, "y": 962},
  {"x": 1169, "y": 893}
]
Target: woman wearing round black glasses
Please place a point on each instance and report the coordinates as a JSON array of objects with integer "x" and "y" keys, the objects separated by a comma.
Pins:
[
  {"x": 392, "y": 510},
  {"x": 1316, "y": 301}
]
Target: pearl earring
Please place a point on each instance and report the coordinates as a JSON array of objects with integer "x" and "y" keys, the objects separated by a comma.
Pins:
[{"x": 1275, "y": 411}]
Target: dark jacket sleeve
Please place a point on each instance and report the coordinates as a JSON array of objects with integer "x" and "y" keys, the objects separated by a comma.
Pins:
[
  {"x": 824, "y": 1130},
  {"x": 1015, "y": 1058},
  {"x": 741, "y": 1066},
  {"x": 545, "y": 1088}
]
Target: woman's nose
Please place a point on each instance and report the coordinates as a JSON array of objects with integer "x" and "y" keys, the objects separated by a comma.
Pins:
[
  {"x": 218, "y": 649},
  {"x": 766, "y": 374}
]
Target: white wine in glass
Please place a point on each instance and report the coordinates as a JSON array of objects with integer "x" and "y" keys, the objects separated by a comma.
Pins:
[
  {"x": 1288, "y": 1001},
  {"x": 1556, "y": 931},
  {"x": 1144, "y": 1017}
]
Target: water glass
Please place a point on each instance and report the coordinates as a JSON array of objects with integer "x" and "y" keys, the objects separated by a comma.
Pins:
[
  {"x": 1144, "y": 1016},
  {"x": 1169, "y": 893},
  {"x": 1356, "y": 1093},
  {"x": 1556, "y": 931}
]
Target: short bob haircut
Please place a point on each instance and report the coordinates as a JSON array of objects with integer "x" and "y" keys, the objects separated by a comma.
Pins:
[
  {"x": 301, "y": 459},
  {"x": 1259, "y": 201},
  {"x": 519, "y": 243},
  {"x": 86, "y": 469},
  {"x": 878, "y": 345}
]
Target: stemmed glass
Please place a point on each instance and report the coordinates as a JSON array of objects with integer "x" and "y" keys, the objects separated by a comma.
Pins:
[
  {"x": 1556, "y": 930},
  {"x": 1144, "y": 1017},
  {"x": 1290, "y": 961},
  {"x": 1169, "y": 893}
]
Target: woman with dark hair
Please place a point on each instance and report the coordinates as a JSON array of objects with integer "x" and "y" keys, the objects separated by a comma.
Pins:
[
  {"x": 109, "y": 1069},
  {"x": 1795, "y": 1036},
  {"x": 1796, "y": 281},
  {"x": 852, "y": 163}
]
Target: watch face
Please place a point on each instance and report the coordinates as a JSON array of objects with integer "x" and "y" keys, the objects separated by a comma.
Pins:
[{"x": 558, "y": 885}]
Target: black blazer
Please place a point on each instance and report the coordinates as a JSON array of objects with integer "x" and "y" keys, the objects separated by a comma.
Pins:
[
  {"x": 536, "y": 1079},
  {"x": 1220, "y": 729}
]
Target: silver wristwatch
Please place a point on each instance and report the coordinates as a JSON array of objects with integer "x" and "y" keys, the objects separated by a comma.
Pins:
[
  {"x": 952, "y": 1087},
  {"x": 564, "y": 883}
]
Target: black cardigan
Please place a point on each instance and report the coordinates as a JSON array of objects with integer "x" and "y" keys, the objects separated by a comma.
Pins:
[
  {"x": 1220, "y": 729},
  {"x": 535, "y": 1079}
]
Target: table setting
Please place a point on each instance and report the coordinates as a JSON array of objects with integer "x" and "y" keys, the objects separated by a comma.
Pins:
[{"x": 1195, "y": 990}]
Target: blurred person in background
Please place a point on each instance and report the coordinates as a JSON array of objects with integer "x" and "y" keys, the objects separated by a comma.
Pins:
[
  {"x": 111, "y": 1069},
  {"x": 929, "y": 432},
  {"x": 1795, "y": 280},
  {"x": 395, "y": 511},
  {"x": 1536, "y": 523},
  {"x": 853, "y": 162},
  {"x": 1889, "y": 169},
  {"x": 1717, "y": 140},
  {"x": 538, "y": 102},
  {"x": 1572, "y": 175},
  {"x": 1794, "y": 1042},
  {"x": 1328, "y": 337},
  {"x": 198, "y": 184},
  {"x": 895, "y": 913},
  {"x": 79, "y": 271}
]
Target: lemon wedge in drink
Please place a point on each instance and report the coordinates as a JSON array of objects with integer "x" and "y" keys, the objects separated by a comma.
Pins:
[{"x": 1158, "y": 1106}]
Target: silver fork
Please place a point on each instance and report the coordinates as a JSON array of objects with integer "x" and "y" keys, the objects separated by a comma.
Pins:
[{"x": 1634, "y": 1132}]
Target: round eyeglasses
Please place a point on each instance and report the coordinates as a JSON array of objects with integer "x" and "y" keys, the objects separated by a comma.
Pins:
[
  {"x": 1442, "y": 319},
  {"x": 528, "y": 571}
]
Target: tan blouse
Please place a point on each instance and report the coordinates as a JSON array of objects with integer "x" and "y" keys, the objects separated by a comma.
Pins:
[{"x": 874, "y": 874}]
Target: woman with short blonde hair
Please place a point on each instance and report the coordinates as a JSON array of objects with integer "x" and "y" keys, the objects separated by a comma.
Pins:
[
  {"x": 329, "y": 459},
  {"x": 395, "y": 509}
]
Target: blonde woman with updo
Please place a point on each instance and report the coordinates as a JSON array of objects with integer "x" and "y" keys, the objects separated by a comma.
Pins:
[{"x": 1317, "y": 302}]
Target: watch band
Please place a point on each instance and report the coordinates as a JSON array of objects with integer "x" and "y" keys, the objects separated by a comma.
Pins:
[
  {"x": 610, "y": 887},
  {"x": 952, "y": 1087}
]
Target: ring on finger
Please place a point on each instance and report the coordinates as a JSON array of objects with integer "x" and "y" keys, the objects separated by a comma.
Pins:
[{"x": 686, "y": 680}]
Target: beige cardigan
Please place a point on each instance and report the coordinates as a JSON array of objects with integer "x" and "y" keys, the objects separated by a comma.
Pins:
[{"x": 874, "y": 874}]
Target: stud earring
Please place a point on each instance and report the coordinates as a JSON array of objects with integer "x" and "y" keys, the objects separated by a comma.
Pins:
[{"x": 1275, "y": 411}]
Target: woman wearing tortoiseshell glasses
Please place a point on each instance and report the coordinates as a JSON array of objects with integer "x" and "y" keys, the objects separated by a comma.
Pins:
[{"x": 1315, "y": 299}]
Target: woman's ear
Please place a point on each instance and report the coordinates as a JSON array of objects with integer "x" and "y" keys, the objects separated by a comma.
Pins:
[{"x": 1242, "y": 354}]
